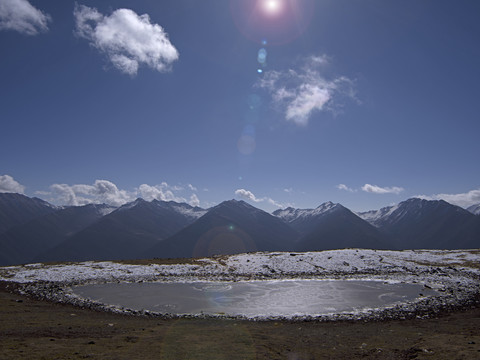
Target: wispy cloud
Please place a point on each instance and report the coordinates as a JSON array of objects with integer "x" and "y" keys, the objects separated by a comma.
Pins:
[
  {"x": 465, "y": 200},
  {"x": 191, "y": 187},
  {"x": 126, "y": 38},
  {"x": 299, "y": 93},
  {"x": 248, "y": 195},
  {"x": 382, "y": 190},
  {"x": 21, "y": 16},
  {"x": 9, "y": 185},
  {"x": 345, "y": 187}
]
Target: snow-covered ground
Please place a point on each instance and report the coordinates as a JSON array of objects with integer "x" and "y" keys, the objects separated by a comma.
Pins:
[
  {"x": 455, "y": 273},
  {"x": 256, "y": 265}
]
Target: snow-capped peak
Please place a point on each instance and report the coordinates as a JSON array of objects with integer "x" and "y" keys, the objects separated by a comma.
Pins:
[
  {"x": 376, "y": 217},
  {"x": 187, "y": 210},
  {"x": 290, "y": 214}
]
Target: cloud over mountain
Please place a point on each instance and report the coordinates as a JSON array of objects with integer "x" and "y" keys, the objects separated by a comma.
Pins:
[
  {"x": 21, "y": 16},
  {"x": 104, "y": 191},
  {"x": 248, "y": 195},
  {"x": 9, "y": 185},
  {"x": 467, "y": 199},
  {"x": 126, "y": 38}
]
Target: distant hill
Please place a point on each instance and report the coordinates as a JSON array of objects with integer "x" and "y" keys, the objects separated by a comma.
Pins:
[
  {"x": 126, "y": 232},
  {"x": 425, "y": 224},
  {"x": 332, "y": 226},
  {"x": 228, "y": 228}
]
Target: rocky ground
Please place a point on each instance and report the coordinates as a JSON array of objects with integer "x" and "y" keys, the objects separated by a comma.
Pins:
[{"x": 43, "y": 329}]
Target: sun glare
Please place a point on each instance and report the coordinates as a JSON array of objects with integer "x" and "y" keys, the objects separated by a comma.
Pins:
[
  {"x": 273, "y": 21},
  {"x": 272, "y": 7}
]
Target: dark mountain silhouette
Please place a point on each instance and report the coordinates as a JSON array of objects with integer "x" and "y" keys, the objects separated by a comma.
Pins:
[
  {"x": 125, "y": 233},
  {"x": 228, "y": 228},
  {"x": 425, "y": 224},
  {"x": 34, "y": 230},
  {"x": 22, "y": 243},
  {"x": 16, "y": 209},
  {"x": 331, "y": 226}
]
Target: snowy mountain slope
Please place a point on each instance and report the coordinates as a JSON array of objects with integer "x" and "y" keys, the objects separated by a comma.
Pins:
[
  {"x": 305, "y": 220},
  {"x": 291, "y": 215},
  {"x": 474, "y": 209}
]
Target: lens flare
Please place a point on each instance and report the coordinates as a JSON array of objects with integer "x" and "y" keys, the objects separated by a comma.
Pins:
[
  {"x": 227, "y": 239},
  {"x": 262, "y": 56},
  {"x": 246, "y": 144}
]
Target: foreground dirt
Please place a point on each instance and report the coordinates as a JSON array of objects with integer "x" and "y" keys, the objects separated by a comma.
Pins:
[{"x": 31, "y": 329}]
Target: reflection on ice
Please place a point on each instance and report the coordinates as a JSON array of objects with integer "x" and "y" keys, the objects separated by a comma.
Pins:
[{"x": 255, "y": 298}]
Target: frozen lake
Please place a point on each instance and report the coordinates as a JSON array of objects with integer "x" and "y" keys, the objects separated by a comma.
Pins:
[{"x": 254, "y": 298}]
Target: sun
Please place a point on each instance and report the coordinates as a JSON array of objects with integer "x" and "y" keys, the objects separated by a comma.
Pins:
[
  {"x": 273, "y": 21},
  {"x": 272, "y": 7}
]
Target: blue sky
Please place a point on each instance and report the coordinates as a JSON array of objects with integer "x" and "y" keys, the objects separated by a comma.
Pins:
[{"x": 279, "y": 102}]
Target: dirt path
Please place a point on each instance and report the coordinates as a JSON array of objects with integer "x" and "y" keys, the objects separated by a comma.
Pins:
[{"x": 31, "y": 329}]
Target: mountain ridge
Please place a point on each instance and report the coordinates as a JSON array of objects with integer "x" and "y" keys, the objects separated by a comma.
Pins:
[
  {"x": 230, "y": 227},
  {"x": 39, "y": 231}
]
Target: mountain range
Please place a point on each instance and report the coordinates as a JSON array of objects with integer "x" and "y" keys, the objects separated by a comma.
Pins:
[{"x": 32, "y": 230}]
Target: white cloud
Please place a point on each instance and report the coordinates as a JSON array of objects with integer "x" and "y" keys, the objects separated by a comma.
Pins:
[
  {"x": 274, "y": 203},
  {"x": 126, "y": 38},
  {"x": 194, "y": 201},
  {"x": 21, "y": 16},
  {"x": 345, "y": 187},
  {"x": 102, "y": 191},
  {"x": 248, "y": 195},
  {"x": 381, "y": 190},
  {"x": 463, "y": 199},
  {"x": 163, "y": 192},
  {"x": 299, "y": 93},
  {"x": 9, "y": 185}
]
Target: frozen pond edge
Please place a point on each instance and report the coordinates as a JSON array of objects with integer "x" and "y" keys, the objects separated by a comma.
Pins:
[{"x": 453, "y": 273}]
